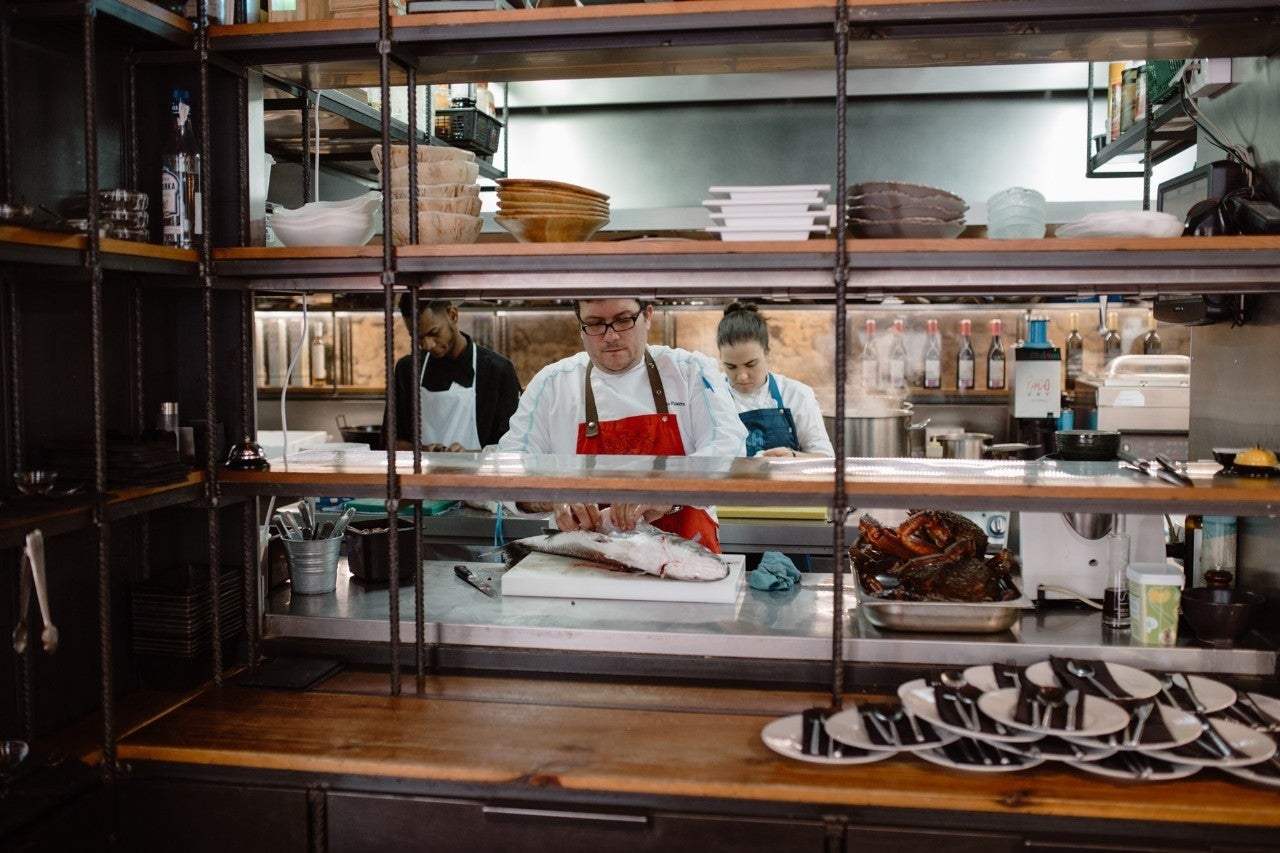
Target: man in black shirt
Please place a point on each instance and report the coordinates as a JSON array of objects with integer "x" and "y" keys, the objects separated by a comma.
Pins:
[{"x": 469, "y": 392}]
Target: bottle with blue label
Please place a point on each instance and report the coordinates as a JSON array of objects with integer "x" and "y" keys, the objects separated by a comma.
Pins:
[{"x": 180, "y": 178}]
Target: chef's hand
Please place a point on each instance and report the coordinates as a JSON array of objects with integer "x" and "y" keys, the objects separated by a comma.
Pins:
[
  {"x": 627, "y": 516},
  {"x": 433, "y": 448},
  {"x": 577, "y": 517},
  {"x": 779, "y": 451}
]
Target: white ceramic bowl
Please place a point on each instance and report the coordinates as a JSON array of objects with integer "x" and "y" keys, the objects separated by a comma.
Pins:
[
  {"x": 336, "y": 228},
  {"x": 360, "y": 205},
  {"x": 426, "y": 154}
]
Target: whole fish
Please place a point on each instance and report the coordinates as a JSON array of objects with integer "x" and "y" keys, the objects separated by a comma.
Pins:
[{"x": 645, "y": 549}]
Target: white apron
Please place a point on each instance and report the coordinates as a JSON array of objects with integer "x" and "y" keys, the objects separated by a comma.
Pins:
[{"x": 449, "y": 416}]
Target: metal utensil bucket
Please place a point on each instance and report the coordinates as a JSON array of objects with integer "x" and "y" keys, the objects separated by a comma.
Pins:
[{"x": 313, "y": 564}]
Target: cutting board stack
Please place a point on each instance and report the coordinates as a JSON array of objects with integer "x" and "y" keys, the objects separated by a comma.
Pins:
[
  {"x": 904, "y": 209},
  {"x": 173, "y": 623},
  {"x": 446, "y": 194},
  {"x": 356, "y": 8},
  {"x": 538, "y": 211}
]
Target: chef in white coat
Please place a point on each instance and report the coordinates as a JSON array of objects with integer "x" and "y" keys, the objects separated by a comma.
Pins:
[
  {"x": 624, "y": 396},
  {"x": 468, "y": 391}
]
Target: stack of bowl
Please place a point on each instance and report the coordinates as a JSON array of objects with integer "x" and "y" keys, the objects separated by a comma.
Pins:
[
  {"x": 1014, "y": 213},
  {"x": 447, "y": 196},
  {"x": 903, "y": 209},
  {"x": 351, "y": 222},
  {"x": 769, "y": 212},
  {"x": 536, "y": 211}
]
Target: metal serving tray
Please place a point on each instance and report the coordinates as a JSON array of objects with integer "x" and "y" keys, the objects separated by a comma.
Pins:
[{"x": 940, "y": 617}]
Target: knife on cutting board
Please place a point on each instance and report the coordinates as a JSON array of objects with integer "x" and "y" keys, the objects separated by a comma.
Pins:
[{"x": 475, "y": 580}]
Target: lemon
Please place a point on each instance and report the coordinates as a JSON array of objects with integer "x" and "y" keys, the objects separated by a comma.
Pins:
[{"x": 1256, "y": 456}]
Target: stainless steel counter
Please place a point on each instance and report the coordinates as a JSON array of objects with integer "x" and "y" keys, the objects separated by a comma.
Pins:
[{"x": 793, "y": 626}]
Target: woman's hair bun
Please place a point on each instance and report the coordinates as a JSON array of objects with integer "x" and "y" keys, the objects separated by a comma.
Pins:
[{"x": 734, "y": 307}]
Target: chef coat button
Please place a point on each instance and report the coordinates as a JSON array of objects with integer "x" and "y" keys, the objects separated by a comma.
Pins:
[{"x": 664, "y": 419}]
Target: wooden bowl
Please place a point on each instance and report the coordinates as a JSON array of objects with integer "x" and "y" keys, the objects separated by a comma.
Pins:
[
  {"x": 426, "y": 154},
  {"x": 527, "y": 184},
  {"x": 438, "y": 191},
  {"x": 459, "y": 204},
  {"x": 552, "y": 228},
  {"x": 549, "y": 197},
  {"x": 441, "y": 172},
  {"x": 519, "y": 208},
  {"x": 436, "y": 228}
]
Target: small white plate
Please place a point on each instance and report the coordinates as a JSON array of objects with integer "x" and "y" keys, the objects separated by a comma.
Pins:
[
  {"x": 1253, "y": 774},
  {"x": 771, "y": 192},
  {"x": 1053, "y": 748},
  {"x": 764, "y": 208},
  {"x": 783, "y": 737},
  {"x": 1135, "y": 682},
  {"x": 1116, "y": 767},
  {"x": 1183, "y": 728},
  {"x": 1270, "y": 705},
  {"x": 1254, "y": 747},
  {"x": 772, "y": 222},
  {"x": 1100, "y": 716},
  {"x": 917, "y": 699},
  {"x": 847, "y": 726},
  {"x": 1214, "y": 695},
  {"x": 1017, "y": 762}
]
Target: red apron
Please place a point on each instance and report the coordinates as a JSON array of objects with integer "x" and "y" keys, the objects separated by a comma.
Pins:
[{"x": 647, "y": 435}]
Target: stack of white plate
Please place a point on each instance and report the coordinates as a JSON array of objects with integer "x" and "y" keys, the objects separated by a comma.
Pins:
[
  {"x": 539, "y": 211},
  {"x": 448, "y": 198},
  {"x": 772, "y": 212},
  {"x": 902, "y": 209}
]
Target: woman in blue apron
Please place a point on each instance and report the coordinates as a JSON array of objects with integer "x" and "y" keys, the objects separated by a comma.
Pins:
[{"x": 781, "y": 415}]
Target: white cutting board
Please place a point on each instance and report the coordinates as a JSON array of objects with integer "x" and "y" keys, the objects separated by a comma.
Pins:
[{"x": 557, "y": 576}]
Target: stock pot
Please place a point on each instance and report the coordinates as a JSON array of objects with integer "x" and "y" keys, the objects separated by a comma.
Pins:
[{"x": 873, "y": 426}]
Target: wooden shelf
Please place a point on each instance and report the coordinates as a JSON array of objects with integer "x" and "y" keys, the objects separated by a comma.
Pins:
[{"x": 35, "y": 246}]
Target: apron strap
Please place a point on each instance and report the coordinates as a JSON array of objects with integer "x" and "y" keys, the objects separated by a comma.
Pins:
[{"x": 655, "y": 387}]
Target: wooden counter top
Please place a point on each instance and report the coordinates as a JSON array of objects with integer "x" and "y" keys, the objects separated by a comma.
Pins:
[{"x": 629, "y": 739}]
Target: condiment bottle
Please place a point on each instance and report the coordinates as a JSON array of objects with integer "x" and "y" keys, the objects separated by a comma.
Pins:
[
  {"x": 484, "y": 99},
  {"x": 1115, "y": 597},
  {"x": 995, "y": 358},
  {"x": 965, "y": 359}
]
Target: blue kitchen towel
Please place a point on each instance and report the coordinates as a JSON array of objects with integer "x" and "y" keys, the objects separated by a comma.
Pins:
[{"x": 775, "y": 573}]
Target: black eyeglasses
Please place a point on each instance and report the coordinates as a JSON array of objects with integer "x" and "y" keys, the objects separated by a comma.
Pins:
[{"x": 622, "y": 324}]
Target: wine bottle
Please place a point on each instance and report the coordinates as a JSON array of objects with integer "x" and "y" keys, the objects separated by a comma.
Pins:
[
  {"x": 1111, "y": 340},
  {"x": 932, "y": 356},
  {"x": 897, "y": 359},
  {"x": 1151, "y": 342},
  {"x": 965, "y": 358},
  {"x": 319, "y": 363},
  {"x": 995, "y": 359},
  {"x": 870, "y": 359},
  {"x": 1075, "y": 352},
  {"x": 180, "y": 177}
]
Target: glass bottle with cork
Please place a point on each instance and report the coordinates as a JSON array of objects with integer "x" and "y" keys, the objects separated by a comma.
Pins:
[
  {"x": 898, "y": 359},
  {"x": 1151, "y": 341},
  {"x": 1111, "y": 344},
  {"x": 870, "y": 359},
  {"x": 1074, "y": 353},
  {"x": 932, "y": 355},
  {"x": 965, "y": 358},
  {"x": 995, "y": 359}
]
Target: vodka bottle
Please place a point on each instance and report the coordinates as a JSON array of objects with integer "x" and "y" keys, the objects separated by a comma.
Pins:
[
  {"x": 1151, "y": 342},
  {"x": 965, "y": 358},
  {"x": 897, "y": 359},
  {"x": 180, "y": 178},
  {"x": 1111, "y": 340},
  {"x": 1075, "y": 352},
  {"x": 995, "y": 359},
  {"x": 932, "y": 356},
  {"x": 870, "y": 359}
]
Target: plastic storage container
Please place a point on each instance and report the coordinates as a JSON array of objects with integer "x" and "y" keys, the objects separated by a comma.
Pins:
[{"x": 1155, "y": 591}]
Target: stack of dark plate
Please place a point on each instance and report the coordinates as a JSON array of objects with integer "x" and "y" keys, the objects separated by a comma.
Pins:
[
  {"x": 173, "y": 623},
  {"x": 902, "y": 209},
  {"x": 129, "y": 463}
]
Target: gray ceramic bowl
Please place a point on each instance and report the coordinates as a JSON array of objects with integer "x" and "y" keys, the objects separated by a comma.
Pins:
[{"x": 1219, "y": 615}]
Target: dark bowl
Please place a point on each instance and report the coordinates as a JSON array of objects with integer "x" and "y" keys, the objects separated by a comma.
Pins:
[
  {"x": 1086, "y": 445},
  {"x": 1219, "y": 615},
  {"x": 1226, "y": 456}
]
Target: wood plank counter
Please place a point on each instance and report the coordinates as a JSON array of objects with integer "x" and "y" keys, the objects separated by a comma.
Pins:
[{"x": 628, "y": 739}]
